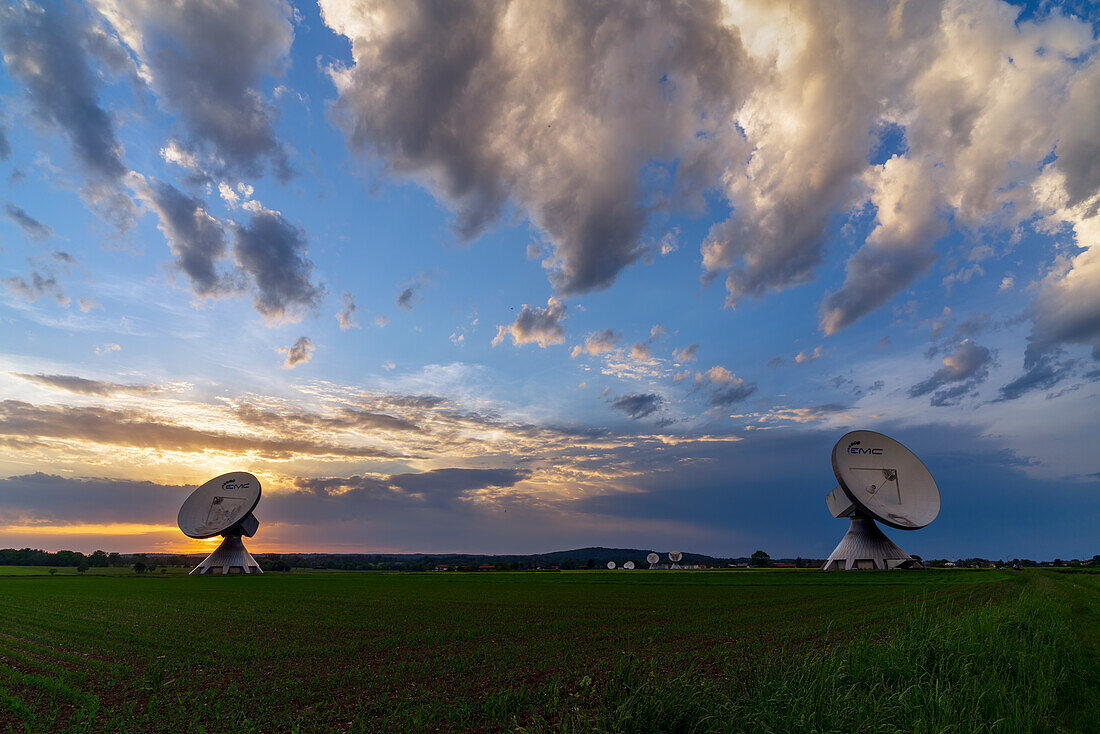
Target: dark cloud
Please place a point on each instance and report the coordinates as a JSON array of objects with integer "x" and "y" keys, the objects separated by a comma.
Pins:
[
  {"x": 873, "y": 276},
  {"x": 346, "y": 418},
  {"x": 638, "y": 405},
  {"x": 481, "y": 123},
  {"x": 40, "y": 284},
  {"x": 1041, "y": 372},
  {"x": 298, "y": 353},
  {"x": 273, "y": 252},
  {"x": 963, "y": 370},
  {"x": 405, "y": 298},
  {"x": 84, "y": 386},
  {"x": 346, "y": 315},
  {"x": 139, "y": 429},
  {"x": 43, "y": 497},
  {"x": 195, "y": 238},
  {"x": 541, "y": 326},
  {"x": 206, "y": 61},
  {"x": 5, "y": 145},
  {"x": 723, "y": 387},
  {"x": 44, "y": 48},
  {"x": 31, "y": 227},
  {"x": 974, "y": 325}
]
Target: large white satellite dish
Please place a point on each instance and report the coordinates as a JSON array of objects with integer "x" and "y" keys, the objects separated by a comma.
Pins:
[
  {"x": 223, "y": 506},
  {"x": 652, "y": 559},
  {"x": 611, "y": 565},
  {"x": 879, "y": 479},
  {"x": 629, "y": 565}
]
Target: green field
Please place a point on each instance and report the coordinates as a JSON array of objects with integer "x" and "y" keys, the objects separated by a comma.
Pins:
[{"x": 719, "y": 651}]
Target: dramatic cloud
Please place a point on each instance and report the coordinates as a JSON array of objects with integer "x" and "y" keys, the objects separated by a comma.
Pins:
[
  {"x": 84, "y": 386},
  {"x": 141, "y": 430},
  {"x": 206, "y": 61},
  {"x": 31, "y": 227},
  {"x": 598, "y": 342},
  {"x": 639, "y": 405},
  {"x": 273, "y": 252},
  {"x": 346, "y": 315},
  {"x": 195, "y": 238},
  {"x": 962, "y": 371},
  {"x": 405, "y": 298},
  {"x": 539, "y": 325},
  {"x": 298, "y": 353},
  {"x": 1041, "y": 373},
  {"x": 474, "y": 100},
  {"x": 44, "y": 47},
  {"x": 436, "y": 486},
  {"x": 908, "y": 115}
]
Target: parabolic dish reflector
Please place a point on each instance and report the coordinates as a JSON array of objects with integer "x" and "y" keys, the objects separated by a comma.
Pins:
[
  {"x": 652, "y": 558},
  {"x": 219, "y": 504},
  {"x": 675, "y": 556},
  {"x": 886, "y": 480},
  {"x": 629, "y": 565},
  {"x": 611, "y": 565}
]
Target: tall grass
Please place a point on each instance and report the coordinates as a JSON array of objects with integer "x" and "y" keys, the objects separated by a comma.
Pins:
[{"x": 1009, "y": 666}]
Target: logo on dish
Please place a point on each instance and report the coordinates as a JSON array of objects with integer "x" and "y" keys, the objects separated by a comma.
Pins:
[
  {"x": 229, "y": 484},
  {"x": 855, "y": 448}
]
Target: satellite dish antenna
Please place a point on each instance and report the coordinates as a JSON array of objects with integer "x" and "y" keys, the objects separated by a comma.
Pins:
[
  {"x": 223, "y": 506},
  {"x": 611, "y": 565},
  {"x": 674, "y": 558},
  {"x": 879, "y": 479},
  {"x": 629, "y": 565},
  {"x": 652, "y": 559}
]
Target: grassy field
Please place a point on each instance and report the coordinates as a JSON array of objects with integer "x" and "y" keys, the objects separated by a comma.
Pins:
[{"x": 720, "y": 651}]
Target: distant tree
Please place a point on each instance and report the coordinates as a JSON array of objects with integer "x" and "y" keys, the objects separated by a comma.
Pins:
[
  {"x": 99, "y": 559},
  {"x": 280, "y": 566},
  {"x": 760, "y": 558},
  {"x": 139, "y": 567},
  {"x": 53, "y": 571},
  {"x": 163, "y": 569},
  {"x": 114, "y": 559},
  {"x": 1095, "y": 561},
  {"x": 83, "y": 567},
  {"x": 591, "y": 563}
]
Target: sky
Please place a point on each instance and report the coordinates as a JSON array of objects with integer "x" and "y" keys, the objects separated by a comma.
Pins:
[{"x": 520, "y": 277}]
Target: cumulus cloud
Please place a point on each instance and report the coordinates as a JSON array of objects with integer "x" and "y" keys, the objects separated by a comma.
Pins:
[
  {"x": 272, "y": 251},
  {"x": 598, "y": 342},
  {"x": 723, "y": 387},
  {"x": 38, "y": 285},
  {"x": 786, "y": 109},
  {"x": 638, "y": 405},
  {"x": 346, "y": 315},
  {"x": 803, "y": 357},
  {"x": 196, "y": 239},
  {"x": 46, "y": 47},
  {"x": 31, "y": 227},
  {"x": 206, "y": 60},
  {"x": 687, "y": 354},
  {"x": 1041, "y": 372},
  {"x": 537, "y": 325},
  {"x": 84, "y": 386},
  {"x": 298, "y": 353},
  {"x": 962, "y": 371},
  {"x": 475, "y": 102}
]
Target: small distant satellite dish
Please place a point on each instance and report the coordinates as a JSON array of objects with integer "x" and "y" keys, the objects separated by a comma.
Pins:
[
  {"x": 223, "y": 506},
  {"x": 652, "y": 559},
  {"x": 629, "y": 565},
  {"x": 674, "y": 558},
  {"x": 611, "y": 565},
  {"x": 879, "y": 479}
]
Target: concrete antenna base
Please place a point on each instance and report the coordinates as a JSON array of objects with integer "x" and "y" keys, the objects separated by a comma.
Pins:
[
  {"x": 865, "y": 546},
  {"x": 229, "y": 557}
]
